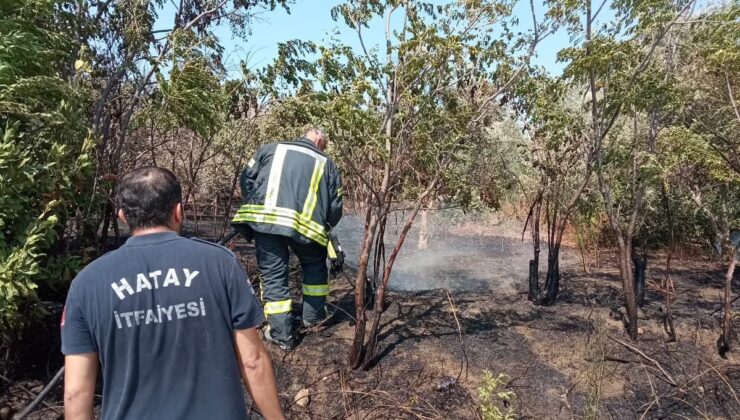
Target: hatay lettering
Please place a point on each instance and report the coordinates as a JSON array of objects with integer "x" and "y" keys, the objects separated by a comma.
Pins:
[
  {"x": 159, "y": 314},
  {"x": 152, "y": 281}
]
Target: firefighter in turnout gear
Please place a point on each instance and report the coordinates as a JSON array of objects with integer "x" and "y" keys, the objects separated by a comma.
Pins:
[{"x": 292, "y": 198}]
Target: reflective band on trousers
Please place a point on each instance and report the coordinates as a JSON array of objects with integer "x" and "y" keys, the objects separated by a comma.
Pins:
[
  {"x": 278, "y": 307},
  {"x": 315, "y": 289}
]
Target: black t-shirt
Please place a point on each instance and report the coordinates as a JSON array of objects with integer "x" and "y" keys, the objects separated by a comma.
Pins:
[{"x": 161, "y": 312}]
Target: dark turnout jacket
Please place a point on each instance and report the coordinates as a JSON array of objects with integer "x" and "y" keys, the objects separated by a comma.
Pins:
[{"x": 292, "y": 189}]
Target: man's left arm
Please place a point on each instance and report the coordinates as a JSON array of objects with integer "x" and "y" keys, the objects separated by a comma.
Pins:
[
  {"x": 252, "y": 357},
  {"x": 80, "y": 374},
  {"x": 335, "y": 197},
  {"x": 256, "y": 369},
  {"x": 81, "y": 357}
]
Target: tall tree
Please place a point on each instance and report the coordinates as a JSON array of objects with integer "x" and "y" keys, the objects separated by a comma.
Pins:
[
  {"x": 403, "y": 117},
  {"x": 616, "y": 63},
  {"x": 702, "y": 151},
  {"x": 562, "y": 157}
]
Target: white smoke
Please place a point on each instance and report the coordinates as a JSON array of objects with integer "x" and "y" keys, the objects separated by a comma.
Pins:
[{"x": 491, "y": 258}]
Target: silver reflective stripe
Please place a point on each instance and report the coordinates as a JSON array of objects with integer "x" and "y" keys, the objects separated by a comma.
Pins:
[
  {"x": 273, "y": 183},
  {"x": 306, "y": 151},
  {"x": 276, "y": 170}
]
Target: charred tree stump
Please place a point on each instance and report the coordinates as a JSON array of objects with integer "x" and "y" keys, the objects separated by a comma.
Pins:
[
  {"x": 640, "y": 264},
  {"x": 534, "y": 264},
  {"x": 534, "y": 281},
  {"x": 369, "y": 294},
  {"x": 553, "y": 279}
]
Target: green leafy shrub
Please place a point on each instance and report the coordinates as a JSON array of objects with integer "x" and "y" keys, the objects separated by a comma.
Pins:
[
  {"x": 492, "y": 396},
  {"x": 44, "y": 151}
]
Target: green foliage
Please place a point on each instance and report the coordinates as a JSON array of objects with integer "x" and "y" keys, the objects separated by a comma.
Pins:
[
  {"x": 492, "y": 396},
  {"x": 716, "y": 40},
  {"x": 192, "y": 96},
  {"x": 436, "y": 113},
  {"x": 44, "y": 151},
  {"x": 497, "y": 174}
]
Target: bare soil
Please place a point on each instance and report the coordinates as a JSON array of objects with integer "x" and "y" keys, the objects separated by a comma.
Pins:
[{"x": 562, "y": 361}]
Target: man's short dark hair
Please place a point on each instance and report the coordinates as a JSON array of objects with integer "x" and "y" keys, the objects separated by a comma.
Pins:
[{"x": 147, "y": 197}]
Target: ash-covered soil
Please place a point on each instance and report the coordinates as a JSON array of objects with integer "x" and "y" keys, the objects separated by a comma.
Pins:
[{"x": 570, "y": 360}]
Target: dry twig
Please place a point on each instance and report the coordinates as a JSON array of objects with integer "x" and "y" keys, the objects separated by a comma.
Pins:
[
  {"x": 634, "y": 349},
  {"x": 464, "y": 363}
]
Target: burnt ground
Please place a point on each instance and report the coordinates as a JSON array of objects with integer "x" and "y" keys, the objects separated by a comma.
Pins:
[{"x": 562, "y": 361}]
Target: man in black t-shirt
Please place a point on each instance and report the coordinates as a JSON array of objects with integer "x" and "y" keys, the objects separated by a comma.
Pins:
[{"x": 172, "y": 321}]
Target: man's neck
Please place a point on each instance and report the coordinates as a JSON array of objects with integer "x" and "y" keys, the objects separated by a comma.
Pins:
[
  {"x": 312, "y": 143},
  {"x": 148, "y": 231}
]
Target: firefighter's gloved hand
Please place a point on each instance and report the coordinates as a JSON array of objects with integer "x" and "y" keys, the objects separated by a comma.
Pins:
[
  {"x": 335, "y": 254},
  {"x": 244, "y": 230}
]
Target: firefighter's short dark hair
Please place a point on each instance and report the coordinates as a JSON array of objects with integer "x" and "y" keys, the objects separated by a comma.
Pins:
[{"x": 147, "y": 196}]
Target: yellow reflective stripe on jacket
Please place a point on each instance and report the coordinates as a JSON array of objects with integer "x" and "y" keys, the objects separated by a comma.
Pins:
[
  {"x": 278, "y": 307},
  {"x": 283, "y": 217},
  {"x": 282, "y": 211},
  {"x": 315, "y": 289},
  {"x": 310, "y": 204},
  {"x": 282, "y": 221}
]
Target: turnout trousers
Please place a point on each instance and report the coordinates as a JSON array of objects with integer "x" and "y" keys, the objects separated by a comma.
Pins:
[{"x": 272, "y": 261}]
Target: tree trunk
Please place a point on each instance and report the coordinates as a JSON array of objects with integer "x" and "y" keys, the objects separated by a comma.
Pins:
[
  {"x": 640, "y": 264},
  {"x": 356, "y": 354},
  {"x": 424, "y": 230},
  {"x": 116, "y": 227},
  {"x": 553, "y": 276},
  {"x": 381, "y": 288},
  {"x": 195, "y": 214},
  {"x": 725, "y": 340},
  {"x": 215, "y": 214},
  {"x": 367, "y": 358},
  {"x": 227, "y": 207},
  {"x": 628, "y": 284},
  {"x": 107, "y": 212},
  {"x": 668, "y": 326},
  {"x": 582, "y": 243},
  {"x": 555, "y": 236},
  {"x": 534, "y": 281},
  {"x": 534, "y": 264}
]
